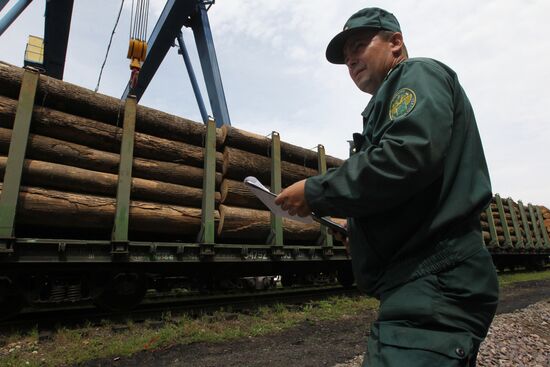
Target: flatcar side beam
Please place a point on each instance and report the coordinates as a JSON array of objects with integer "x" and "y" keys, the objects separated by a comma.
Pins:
[
  {"x": 206, "y": 235},
  {"x": 16, "y": 154},
  {"x": 275, "y": 238},
  {"x": 325, "y": 239},
  {"x": 120, "y": 229}
]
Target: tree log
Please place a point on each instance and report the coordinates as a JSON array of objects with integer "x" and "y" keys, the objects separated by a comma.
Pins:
[
  {"x": 58, "y": 151},
  {"x": 98, "y": 135},
  {"x": 238, "y": 164},
  {"x": 261, "y": 145},
  {"x": 36, "y": 205},
  {"x": 75, "y": 100},
  {"x": 78, "y": 180},
  {"x": 499, "y": 229},
  {"x": 235, "y": 193},
  {"x": 249, "y": 224}
]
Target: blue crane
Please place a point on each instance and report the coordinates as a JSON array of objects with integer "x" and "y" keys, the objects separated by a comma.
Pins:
[{"x": 167, "y": 31}]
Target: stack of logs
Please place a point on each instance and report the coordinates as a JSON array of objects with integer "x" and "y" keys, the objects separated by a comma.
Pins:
[
  {"x": 546, "y": 216},
  {"x": 530, "y": 236},
  {"x": 72, "y": 158},
  {"x": 69, "y": 178}
]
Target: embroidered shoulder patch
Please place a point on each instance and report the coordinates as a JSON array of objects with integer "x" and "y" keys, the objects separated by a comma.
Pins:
[{"x": 402, "y": 102}]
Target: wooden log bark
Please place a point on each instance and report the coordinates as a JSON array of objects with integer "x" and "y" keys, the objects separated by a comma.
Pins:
[
  {"x": 36, "y": 205},
  {"x": 245, "y": 224},
  {"x": 258, "y": 144},
  {"x": 98, "y": 135},
  {"x": 235, "y": 193},
  {"x": 250, "y": 224},
  {"x": 545, "y": 218},
  {"x": 500, "y": 230},
  {"x": 254, "y": 225},
  {"x": 61, "y": 152},
  {"x": 238, "y": 164},
  {"x": 70, "y": 98},
  {"x": 78, "y": 180}
]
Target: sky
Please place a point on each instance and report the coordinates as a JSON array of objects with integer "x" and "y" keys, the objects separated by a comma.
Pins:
[{"x": 276, "y": 77}]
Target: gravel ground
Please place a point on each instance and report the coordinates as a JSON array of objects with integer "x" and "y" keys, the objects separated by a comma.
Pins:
[{"x": 518, "y": 339}]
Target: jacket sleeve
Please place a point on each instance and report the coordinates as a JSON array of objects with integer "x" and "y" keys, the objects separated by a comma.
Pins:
[{"x": 408, "y": 157}]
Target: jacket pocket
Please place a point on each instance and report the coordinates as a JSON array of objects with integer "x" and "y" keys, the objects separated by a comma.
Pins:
[{"x": 453, "y": 345}]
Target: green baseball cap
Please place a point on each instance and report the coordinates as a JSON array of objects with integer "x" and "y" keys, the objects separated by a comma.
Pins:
[{"x": 364, "y": 19}]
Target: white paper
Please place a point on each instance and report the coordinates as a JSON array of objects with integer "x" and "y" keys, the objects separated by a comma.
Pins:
[{"x": 268, "y": 198}]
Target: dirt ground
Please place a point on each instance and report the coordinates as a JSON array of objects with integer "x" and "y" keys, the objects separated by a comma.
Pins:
[{"x": 309, "y": 344}]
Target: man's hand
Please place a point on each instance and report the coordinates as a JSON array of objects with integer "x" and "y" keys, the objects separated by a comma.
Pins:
[{"x": 293, "y": 199}]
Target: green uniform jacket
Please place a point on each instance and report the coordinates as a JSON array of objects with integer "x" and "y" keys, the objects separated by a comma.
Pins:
[{"x": 414, "y": 188}]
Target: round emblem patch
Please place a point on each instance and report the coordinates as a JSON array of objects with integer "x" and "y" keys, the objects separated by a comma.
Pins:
[{"x": 402, "y": 102}]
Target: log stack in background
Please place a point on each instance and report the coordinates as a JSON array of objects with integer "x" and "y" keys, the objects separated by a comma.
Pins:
[
  {"x": 70, "y": 172},
  {"x": 72, "y": 158},
  {"x": 242, "y": 216},
  {"x": 546, "y": 215},
  {"x": 519, "y": 240}
]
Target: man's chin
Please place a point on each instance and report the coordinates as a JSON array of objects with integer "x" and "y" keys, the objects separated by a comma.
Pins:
[{"x": 363, "y": 87}]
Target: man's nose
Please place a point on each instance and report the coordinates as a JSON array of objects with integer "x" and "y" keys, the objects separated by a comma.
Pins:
[{"x": 350, "y": 62}]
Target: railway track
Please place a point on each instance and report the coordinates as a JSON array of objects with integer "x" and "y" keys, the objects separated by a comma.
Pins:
[{"x": 156, "y": 308}]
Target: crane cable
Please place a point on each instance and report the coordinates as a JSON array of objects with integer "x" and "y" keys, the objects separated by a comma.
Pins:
[
  {"x": 137, "y": 49},
  {"x": 138, "y": 20},
  {"x": 109, "y": 46}
]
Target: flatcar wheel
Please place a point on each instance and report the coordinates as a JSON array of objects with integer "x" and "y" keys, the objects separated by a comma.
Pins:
[
  {"x": 122, "y": 292},
  {"x": 288, "y": 280},
  {"x": 11, "y": 300},
  {"x": 345, "y": 277}
]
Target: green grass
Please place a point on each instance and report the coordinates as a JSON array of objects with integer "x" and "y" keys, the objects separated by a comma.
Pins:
[
  {"x": 69, "y": 346},
  {"x": 507, "y": 279}
]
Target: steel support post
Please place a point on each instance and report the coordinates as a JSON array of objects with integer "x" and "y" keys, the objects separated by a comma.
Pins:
[
  {"x": 124, "y": 187},
  {"x": 493, "y": 243},
  {"x": 275, "y": 238},
  {"x": 325, "y": 239},
  {"x": 16, "y": 158},
  {"x": 210, "y": 68},
  {"x": 519, "y": 238},
  {"x": 12, "y": 14},
  {"x": 57, "y": 26},
  {"x": 540, "y": 220},
  {"x": 507, "y": 239},
  {"x": 207, "y": 231},
  {"x": 529, "y": 239},
  {"x": 192, "y": 77},
  {"x": 539, "y": 244}
]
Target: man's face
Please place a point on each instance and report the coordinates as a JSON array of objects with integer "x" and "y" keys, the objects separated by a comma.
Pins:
[{"x": 368, "y": 58}]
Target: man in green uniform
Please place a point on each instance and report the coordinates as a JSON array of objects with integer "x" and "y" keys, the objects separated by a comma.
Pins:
[{"x": 412, "y": 192}]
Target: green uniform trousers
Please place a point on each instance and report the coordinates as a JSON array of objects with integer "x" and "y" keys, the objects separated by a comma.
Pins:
[{"x": 438, "y": 320}]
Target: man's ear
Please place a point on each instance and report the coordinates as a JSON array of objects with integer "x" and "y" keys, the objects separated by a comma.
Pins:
[{"x": 396, "y": 43}]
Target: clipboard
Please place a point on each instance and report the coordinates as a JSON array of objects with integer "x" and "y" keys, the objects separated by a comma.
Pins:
[{"x": 268, "y": 199}]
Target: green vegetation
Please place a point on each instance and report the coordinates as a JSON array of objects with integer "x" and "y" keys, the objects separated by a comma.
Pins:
[
  {"x": 507, "y": 279},
  {"x": 69, "y": 346}
]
